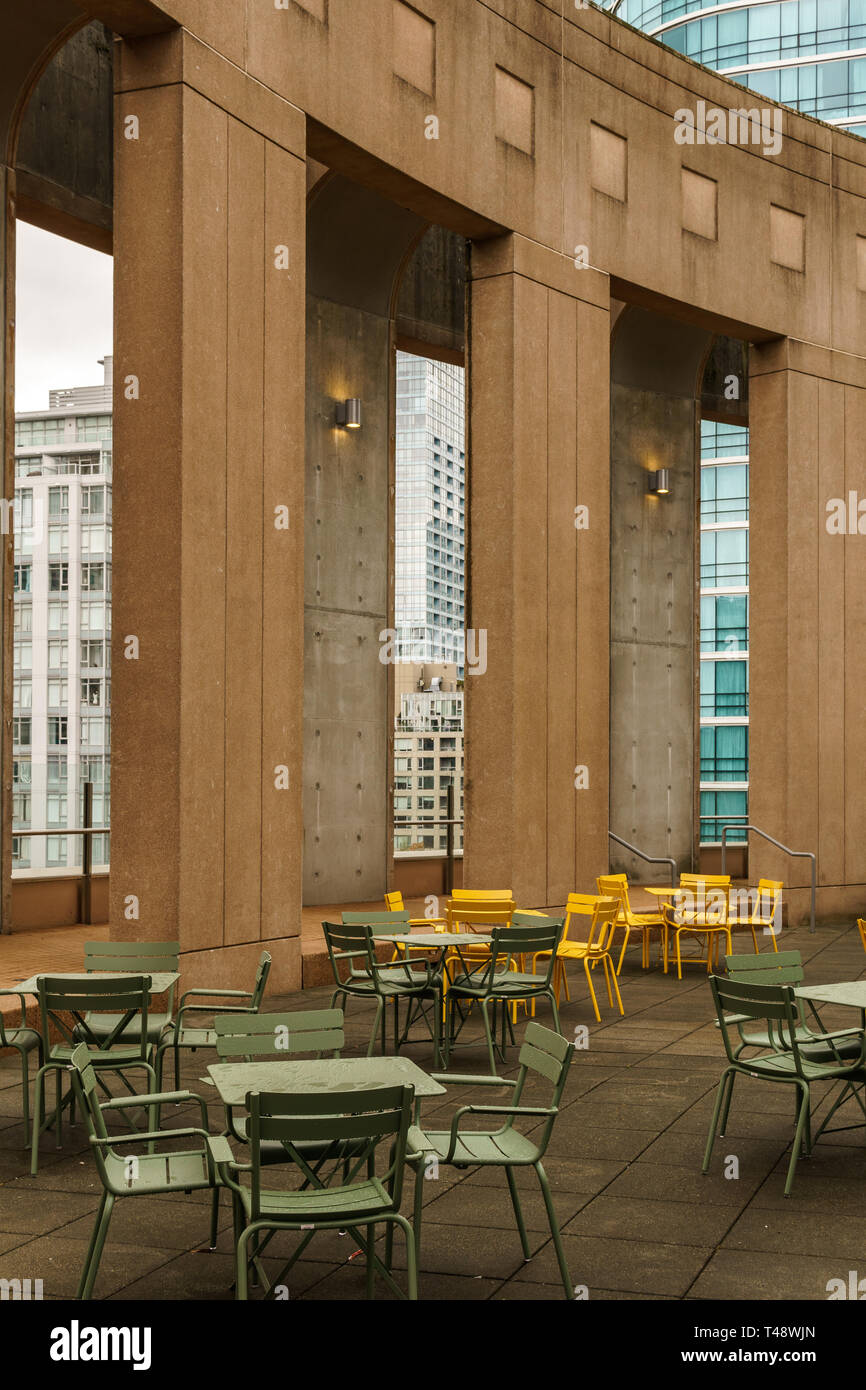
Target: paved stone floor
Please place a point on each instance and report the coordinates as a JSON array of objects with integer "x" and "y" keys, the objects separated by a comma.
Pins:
[{"x": 639, "y": 1219}]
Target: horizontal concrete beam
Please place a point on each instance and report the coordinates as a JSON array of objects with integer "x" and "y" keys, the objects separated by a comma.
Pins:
[{"x": 130, "y": 18}]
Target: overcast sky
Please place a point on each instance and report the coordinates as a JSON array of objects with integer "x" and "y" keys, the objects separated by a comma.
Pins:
[{"x": 62, "y": 315}]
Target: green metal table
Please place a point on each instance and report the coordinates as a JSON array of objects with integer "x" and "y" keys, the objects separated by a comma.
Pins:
[{"x": 234, "y": 1080}]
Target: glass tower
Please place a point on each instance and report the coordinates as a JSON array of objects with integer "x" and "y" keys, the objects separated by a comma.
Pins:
[
  {"x": 429, "y": 598},
  {"x": 810, "y": 54},
  {"x": 724, "y": 629}
]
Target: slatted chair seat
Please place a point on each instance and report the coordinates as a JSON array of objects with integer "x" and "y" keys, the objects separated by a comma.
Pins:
[
  {"x": 182, "y": 1171},
  {"x": 363, "y": 1199},
  {"x": 509, "y": 1146}
]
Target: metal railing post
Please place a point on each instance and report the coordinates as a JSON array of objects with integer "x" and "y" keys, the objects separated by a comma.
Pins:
[
  {"x": 449, "y": 840},
  {"x": 87, "y": 859}
]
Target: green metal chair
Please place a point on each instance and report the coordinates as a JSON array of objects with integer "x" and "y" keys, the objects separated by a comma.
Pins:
[
  {"x": 370, "y": 1120},
  {"x": 359, "y": 975},
  {"x": 137, "y": 958},
  {"x": 179, "y": 1034},
  {"x": 140, "y": 1174},
  {"x": 251, "y": 1037},
  {"x": 24, "y": 1040},
  {"x": 775, "y": 1007},
  {"x": 123, "y": 1049},
  {"x": 786, "y": 968},
  {"x": 501, "y": 981},
  {"x": 543, "y": 1053},
  {"x": 396, "y": 924}
]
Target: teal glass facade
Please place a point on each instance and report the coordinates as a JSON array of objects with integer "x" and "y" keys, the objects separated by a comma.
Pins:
[
  {"x": 724, "y": 629},
  {"x": 810, "y": 54}
]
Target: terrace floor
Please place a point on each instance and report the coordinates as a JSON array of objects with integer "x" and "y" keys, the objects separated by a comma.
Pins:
[{"x": 639, "y": 1220}]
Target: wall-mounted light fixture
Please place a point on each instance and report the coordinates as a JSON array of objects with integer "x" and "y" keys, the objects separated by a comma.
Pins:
[
  {"x": 660, "y": 482},
  {"x": 349, "y": 414}
]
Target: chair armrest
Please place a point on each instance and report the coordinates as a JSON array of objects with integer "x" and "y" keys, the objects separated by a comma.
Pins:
[
  {"x": 216, "y": 994},
  {"x": 490, "y": 1110},
  {"x": 220, "y": 1150},
  {"x": 139, "y": 1137},
  {"x": 156, "y": 1098},
  {"x": 15, "y": 994},
  {"x": 465, "y": 1080}
]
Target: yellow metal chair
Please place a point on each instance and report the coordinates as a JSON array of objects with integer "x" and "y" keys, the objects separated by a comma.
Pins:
[
  {"x": 700, "y": 906},
  {"x": 760, "y": 912},
  {"x": 394, "y": 903},
  {"x": 602, "y": 914},
  {"x": 478, "y": 910},
  {"x": 616, "y": 886}
]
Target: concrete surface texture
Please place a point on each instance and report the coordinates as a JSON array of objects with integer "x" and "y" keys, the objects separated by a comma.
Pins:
[
  {"x": 639, "y": 1220},
  {"x": 538, "y": 131}
]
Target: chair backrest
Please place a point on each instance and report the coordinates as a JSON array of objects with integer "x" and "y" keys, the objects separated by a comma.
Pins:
[
  {"x": 351, "y": 951},
  {"x": 771, "y": 968},
  {"x": 84, "y": 1084},
  {"x": 775, "y": 1006},
  {"x": 509, "y": 944},
  {"x": 394, "y": 902},
  {"x": 693, "y": 881},
  {"x": 583, "y": 905},
  {"x": 615, "y": 886},
  {"x": 478, "y": 911},
  {"x": 123, "y": 995},
  {"x": 263, "y": 970},
  {"x": 546, "y": 1054},
  {"x": 140, "y": 957},
  {"x": 364, "y": 1121},
  {"x": 383, "y": 923},
  {"x": 248, "y": 1036},
  {"x": 702, "y": 900}
]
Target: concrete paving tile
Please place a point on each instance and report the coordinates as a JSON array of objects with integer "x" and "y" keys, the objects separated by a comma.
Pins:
[
  {"x": 38, "y": 1211},
  {"x": 661, "y": 1182},
  {"x": 798, "y": 1232},
  {"x": 58, "y": 1262},
  {"x": 737, "y": 1274},
  {"x": 179, "y": 1225},
  {"x": 633, "y": 1266},
  {"x": 639, "y": 1218},
  {"x": 491, "y": 1206}
]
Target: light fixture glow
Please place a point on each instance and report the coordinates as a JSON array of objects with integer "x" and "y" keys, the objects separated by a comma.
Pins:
[
  {"x": 349, "y": 413},
  {"x": 660, "y": 482}
]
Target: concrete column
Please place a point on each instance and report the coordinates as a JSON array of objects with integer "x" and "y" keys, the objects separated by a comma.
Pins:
[
  {"x": 208, "y": 511},
  {"x": 808, "y": 614},
  {"x": 538, "y": 587}
]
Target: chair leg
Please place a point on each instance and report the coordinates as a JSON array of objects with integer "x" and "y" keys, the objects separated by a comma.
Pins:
[
  {"x": 554, "y": 1231},
  {"x": 802, "y": 1120},
  {"x": 418, "y": 1207},
  {"x": 371, "y": 1239},
  {"x": 489, "y": 1037},
  {"x": 588, "y": 974},
  {"x": 97, "y": 1246},
  {"x": 679, "y": 957},
  {"x": 214, "y": 1217},
  {"x": 380, "y": 1004},
  {"x": 518, "y": 1211},
  {"x": 711, "y": 1137},
  {"x": 608, "y": 964},
  {"x": 38, "y": 1087},
  {"x": 723, "y": 1126},
  {"x": 25, "y": 1098},
  {"x": 622, "y": 952}
]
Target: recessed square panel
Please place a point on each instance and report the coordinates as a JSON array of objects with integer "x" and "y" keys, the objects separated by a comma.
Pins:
[
  {"x": 317, "y": 8},
  {"x": 861, "y": 263},
  {"x": 787, "y": 238},
  {"x": 515, "y": 111},
  {"x": 414, "y": 55},
  {"x": 700, "y": 205},
  {"x": 608, "y": 162}
]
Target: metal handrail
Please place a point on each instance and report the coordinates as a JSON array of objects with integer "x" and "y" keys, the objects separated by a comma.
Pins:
[
  {"x": 794, "y": 853},
  {"x": 650, "y": 859},
  {"x": 88, "y": 831}
]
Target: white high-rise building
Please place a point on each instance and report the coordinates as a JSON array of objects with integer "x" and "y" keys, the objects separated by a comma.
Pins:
[{"x": 62, "y": 671}]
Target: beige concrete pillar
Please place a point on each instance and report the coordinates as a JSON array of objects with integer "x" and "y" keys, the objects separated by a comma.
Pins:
[
  {"x": 808, "y": 616},
  {"x": 538, "y": 586},
  {"x": 207, "y": 646}
]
